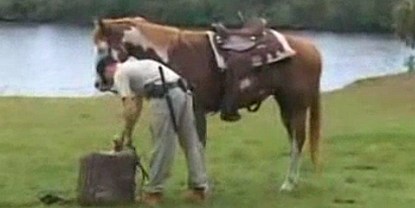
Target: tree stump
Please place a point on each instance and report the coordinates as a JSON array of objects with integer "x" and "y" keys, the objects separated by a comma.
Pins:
[{"x": 107, "y": 178}]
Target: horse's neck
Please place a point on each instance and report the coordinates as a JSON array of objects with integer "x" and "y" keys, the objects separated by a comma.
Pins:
[
  {"x": 158, "y": 34},
  {"x": 152, "y": 30},
  {"x": 158, "y": 42}
]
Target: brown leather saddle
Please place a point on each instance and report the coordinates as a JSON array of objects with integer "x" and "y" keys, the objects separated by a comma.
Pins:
[
  {"x": 252, "y": 28},
  {"x": 243, "y": 49},
  {"x": 253, "y": 41}
]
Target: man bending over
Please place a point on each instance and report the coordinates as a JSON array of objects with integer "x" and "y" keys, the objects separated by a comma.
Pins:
[{"x": 171, "y": 114}]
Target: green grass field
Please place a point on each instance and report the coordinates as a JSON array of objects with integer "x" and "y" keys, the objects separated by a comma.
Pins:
[{"x": 368, "y": 150}]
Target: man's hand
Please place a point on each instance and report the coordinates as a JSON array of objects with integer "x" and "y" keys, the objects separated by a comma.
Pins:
[{"x": 117, "y": 145}]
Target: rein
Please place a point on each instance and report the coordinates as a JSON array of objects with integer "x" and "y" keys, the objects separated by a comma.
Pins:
[{"x": 139, "y": 164}]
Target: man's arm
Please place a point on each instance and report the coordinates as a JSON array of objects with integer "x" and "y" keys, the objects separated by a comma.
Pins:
[
  {"x": 131, "y": 114},
  {"x": 132, "y": 106}
]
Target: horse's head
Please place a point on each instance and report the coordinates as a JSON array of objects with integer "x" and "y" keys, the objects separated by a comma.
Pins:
[
  {"x": 133, "y": 37},
  {"x": 111, "y": 47},
  {"x": 109, "y": 39}
]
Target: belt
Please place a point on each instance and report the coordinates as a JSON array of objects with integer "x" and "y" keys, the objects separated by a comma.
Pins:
[
  {"x": 153, "y": 90},
  {"x": 170, "y": 85}
]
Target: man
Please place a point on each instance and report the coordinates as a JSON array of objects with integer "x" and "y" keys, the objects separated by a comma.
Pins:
[{"x": 172, "y": 113}]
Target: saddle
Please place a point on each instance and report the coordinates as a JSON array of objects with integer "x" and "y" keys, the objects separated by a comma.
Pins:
[
  {"x": 252, "y": 28},
  {"x": 241, "y": 50},
  {"x": 254, "y": 42}
]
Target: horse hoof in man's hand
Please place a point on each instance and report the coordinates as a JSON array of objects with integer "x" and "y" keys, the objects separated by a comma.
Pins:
[{"x": 231, "y": 117}]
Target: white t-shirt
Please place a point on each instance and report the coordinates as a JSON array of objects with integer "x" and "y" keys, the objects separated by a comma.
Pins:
[{"x": 131, "y": 76}]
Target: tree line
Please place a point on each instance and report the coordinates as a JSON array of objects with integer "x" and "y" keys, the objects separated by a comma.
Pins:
[
  {"x": 404, "y": 19},
  {"x": 335, "y": 15}
]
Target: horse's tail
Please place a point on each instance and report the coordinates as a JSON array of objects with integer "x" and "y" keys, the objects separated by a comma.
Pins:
[{"x": 314, "y": 128}]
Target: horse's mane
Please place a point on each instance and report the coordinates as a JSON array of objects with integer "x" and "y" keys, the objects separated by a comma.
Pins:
[{"x": 159, "y": 34}]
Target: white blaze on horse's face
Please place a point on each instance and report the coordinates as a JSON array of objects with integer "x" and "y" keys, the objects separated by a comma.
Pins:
[
  {"x": 115, "y": 55},
  {"x": 102, "y": 49},
  {"x": 137, "y": 38}
]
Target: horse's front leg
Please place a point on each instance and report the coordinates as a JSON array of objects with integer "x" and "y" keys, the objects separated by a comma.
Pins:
[{"x": 131, "y": 112}]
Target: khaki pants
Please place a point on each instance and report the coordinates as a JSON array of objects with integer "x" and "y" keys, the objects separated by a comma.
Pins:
[{"x": 164, "y": 140}]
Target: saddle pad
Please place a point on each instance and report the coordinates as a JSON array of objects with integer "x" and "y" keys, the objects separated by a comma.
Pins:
[{"x": 256, "y": 60}]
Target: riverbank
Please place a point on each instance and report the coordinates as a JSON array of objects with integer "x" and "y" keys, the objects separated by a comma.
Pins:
[{"x": 368, "y": 144}]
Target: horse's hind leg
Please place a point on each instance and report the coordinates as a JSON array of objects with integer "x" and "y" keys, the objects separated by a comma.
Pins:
[
  {"x": 294, "y": 119},
  {"x": 298, "y": 135}
]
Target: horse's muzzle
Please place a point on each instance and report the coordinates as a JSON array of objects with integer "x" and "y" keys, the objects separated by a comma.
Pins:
[
  {"x": 97, "y": 85},
  {"x": 101, "y": 87}
]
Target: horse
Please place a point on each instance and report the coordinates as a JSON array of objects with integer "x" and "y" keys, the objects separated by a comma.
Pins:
[{"x": 294, "y": 83}]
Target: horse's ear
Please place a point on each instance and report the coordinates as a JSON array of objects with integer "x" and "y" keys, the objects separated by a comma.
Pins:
[
  {"x": 96, "y": 22},
  {"x": 99, "y": 24}
]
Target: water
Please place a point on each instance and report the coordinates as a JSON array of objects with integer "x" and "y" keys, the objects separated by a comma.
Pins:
[
  {"x": 51, "y": 60},
  {"x": 45, "y": 60},
  {"x": 350, "y": 57}
]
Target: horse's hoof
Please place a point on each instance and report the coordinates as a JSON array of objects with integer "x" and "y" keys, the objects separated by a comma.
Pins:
[
  {"x": 287, "y": 186},
  {"x": 230, "y": 117}
]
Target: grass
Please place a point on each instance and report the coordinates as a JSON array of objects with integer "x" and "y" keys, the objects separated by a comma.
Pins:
[{"x": 368, "y": 150}]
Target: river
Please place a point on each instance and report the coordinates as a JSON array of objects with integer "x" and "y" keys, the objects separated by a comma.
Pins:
[{"x": 58, "y": 60}]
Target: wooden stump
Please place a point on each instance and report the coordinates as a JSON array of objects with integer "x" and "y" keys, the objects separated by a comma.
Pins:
[{"x": 107, "y": 178}]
